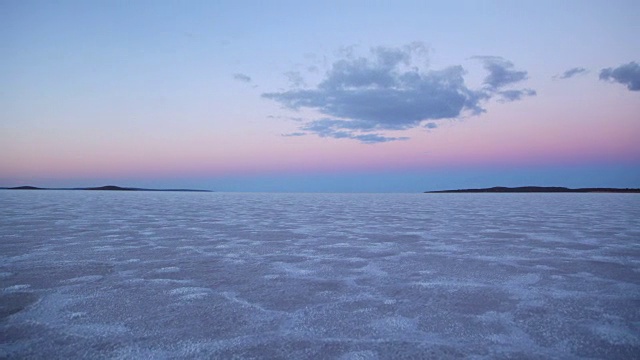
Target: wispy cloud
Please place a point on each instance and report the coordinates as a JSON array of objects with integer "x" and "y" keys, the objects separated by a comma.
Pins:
[
  {"x": 513, "y": 95},
  {"x": 390, "y": 90},
  {"x": 571, "y": 73},
  {"x": 295, "y": 79},
  {"x": 242, "y": 77},
  {"x": 294, "y": 134},
  {"x": 626, "y": 74},
  {"x": 343, "y": 129},
  {"x": 502, "y": 73}
]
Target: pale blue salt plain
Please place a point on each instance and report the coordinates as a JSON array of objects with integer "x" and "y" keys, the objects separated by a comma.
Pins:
[{"x": 307, "y": 276}]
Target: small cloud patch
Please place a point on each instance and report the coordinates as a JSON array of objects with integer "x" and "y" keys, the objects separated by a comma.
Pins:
[
  {"x": 514, "y": 95},
  {"x": 502, "y": 72},
  {"x": 295, "y": 79},
  {"x": 627, "y": 74},
  {"x": 242, "y": 77},
  {"x": 571, "y": 73}
]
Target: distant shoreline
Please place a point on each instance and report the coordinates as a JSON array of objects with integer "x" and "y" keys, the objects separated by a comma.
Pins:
[
  {"x": 536, "y": 189},
  {"x": 496, "y": 189},
  {"x": 102, "y": 188}
]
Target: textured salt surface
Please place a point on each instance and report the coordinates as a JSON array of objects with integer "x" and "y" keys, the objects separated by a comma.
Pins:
[{"x": 192, "y": 275}]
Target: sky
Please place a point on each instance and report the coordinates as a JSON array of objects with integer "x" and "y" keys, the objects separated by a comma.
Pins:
[{"x": 320, "y": 96}]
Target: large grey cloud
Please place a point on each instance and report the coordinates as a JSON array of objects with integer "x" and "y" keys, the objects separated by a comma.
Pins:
[
  {"x": 626, "y": 74},
  {"x": 388, "y": 90}
]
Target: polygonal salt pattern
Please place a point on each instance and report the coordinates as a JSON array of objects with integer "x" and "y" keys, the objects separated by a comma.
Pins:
[{"x": 345, "y": 276}]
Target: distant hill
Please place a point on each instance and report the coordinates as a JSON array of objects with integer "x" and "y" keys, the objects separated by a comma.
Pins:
[
  {"x": 24, "y": 188},
  {"x": 100, "y": 188},
  {"x": 536, "y": 189},
  {"x": 111, "y": 188}
]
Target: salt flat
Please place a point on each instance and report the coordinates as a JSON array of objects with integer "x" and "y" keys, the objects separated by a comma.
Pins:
[{"x": 307, "y": 276}]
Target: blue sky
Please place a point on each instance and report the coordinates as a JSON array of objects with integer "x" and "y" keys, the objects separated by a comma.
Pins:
[{"x": 320, "y": 96}]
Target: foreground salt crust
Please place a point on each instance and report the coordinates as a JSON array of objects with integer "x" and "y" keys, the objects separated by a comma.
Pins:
[{"x": 368, "y": 276}]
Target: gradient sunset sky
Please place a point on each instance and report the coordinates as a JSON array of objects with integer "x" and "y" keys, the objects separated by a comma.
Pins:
[{"x": 381, "y": 96}]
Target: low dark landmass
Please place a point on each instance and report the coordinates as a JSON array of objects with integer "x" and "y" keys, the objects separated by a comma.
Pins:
[
  {"x": 24, "y": 188},
  {"x": 100, "y": 188},
  {"x": 537, "y": 189}
]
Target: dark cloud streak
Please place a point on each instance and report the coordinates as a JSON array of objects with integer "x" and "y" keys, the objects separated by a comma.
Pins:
[
  {"x": 514, "y": 95},
  {"x": 571, "y": 73}
]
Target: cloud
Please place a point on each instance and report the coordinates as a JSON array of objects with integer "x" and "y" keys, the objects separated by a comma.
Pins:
[
  {"x": 501, "y": 72},
  {"x": 342, "y": 129},
  {"x": 571, "y": 73},
  {"x": 294, "y": 134},
  {"x": 513, "y": 95},
  {"x": 242, "y": 77},
  {"x": 376, "y": 138},
  {"x": 390, "y": 89},
  {"x": 626, "y": 74},
  {"x": 295, "y": 79}
]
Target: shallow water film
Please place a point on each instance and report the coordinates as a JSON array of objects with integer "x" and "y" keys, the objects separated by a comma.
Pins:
[{"x": 306, "y": 276}]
